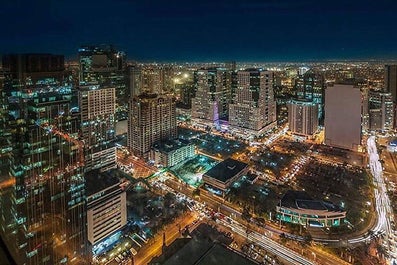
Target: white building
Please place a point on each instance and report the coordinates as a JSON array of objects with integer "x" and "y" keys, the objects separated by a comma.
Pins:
[
  {"x": 97, "y": 111},
  {"x": 343, "y": 108},
  {"x": 303, "y": 117},
  {"x": 106, "y": 206},
  {"x": 171, "y": 152}
]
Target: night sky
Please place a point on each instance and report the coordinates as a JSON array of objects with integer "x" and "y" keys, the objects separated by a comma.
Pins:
[{"x": 207, "y": 30}]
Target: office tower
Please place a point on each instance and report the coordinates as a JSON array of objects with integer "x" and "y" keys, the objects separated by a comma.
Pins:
[
  {"x": 106, "y": 206},
  {"x": 253, "y": 107},
  {"x": 97, "y": 111},
  {"x": 42, "y": 189},
  {"x": 391, "y": 87},
  {"x": 391, "y": 81},
  {"x": 212, "y": 94},
  {"x": 380, "y": 108},
  {"x": 343, "y": 104},
  {"x": 303, "y": 117},
  {"x": 105, "y": 66},
  {"x": 152, "y": 118},
  {"x": 310, "y": 86},
  {"x": 157, "y": 79}
]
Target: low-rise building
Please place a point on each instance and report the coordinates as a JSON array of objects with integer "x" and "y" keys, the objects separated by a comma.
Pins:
[
  {"x": 171, "y": 152},
  {"x": 225, "y": 173},
  {"x": 299, "y": 208},
  {"x": 106, "y": 206}
]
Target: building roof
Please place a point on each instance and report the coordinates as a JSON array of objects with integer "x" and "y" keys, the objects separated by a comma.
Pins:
[
  {"x": 97, "y": 181},
  {"x": 226, "y": 169},
  {"x": 170, "y": 145},
  {"x": 201, "y": 249},
  {"x": 302, "y": 200}
]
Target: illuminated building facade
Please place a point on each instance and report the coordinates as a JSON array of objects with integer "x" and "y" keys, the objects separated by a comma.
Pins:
[
  {"x": 299, "y": 208},
  {"x": 302, "y": 117},
  {"x": 105, "y": 66},
  {"x": 212, "y": 94},
  {"x": 380, "y": 109},
  {"x": 152, "y": 118},
  {"x": 310, "y": 86},
  {"x": 106, "y": 206},
  {"x": 171, "y": 152},
  {"x": 42, "y": 190},
  {"x": 253, "y": 105},
  {"x": 97, "y": 114}
]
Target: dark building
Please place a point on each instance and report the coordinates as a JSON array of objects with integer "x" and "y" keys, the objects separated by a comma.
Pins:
[
  {"x": 207, "y": 246},
  {"x": 225, "y": 173},
  {"x": 391, "y": 81},
  {"x": 33, "y": 63},
  {"x": 391, "y": 87},
  {"x": 42, "y": 183},
  {"x": 104, "y": 65}
]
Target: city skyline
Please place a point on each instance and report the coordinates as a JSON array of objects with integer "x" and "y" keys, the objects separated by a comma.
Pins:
[{"x": 204, "y": 31}]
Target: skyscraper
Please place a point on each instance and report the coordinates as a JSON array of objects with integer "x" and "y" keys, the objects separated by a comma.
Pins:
[
  {"x": 42, "y": 185},
  {"x": 152, "y": 118},
  {"x": 212, "y": 95},
  {"x": 97, "y": 114},
  {"x": 343, "y": 106},
  {"x": 253, "y": 105},
  {"x": 391, "y": 81},
  {"x": 391, "y": 87},
  {"x": 105, "y": 66},
  {"x": 310, "y": 86},
  {"x": 380, "y": 108}
]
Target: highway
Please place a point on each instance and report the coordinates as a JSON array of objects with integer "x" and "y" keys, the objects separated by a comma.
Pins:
[
  {"x": 382, "y": 201},
  {"x": 267, "y": 243}
]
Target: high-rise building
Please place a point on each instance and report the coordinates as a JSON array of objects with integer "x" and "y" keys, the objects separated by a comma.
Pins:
[
  {"x": 105, "y": 66},
  {"x": 391, "y": 87},
  {"x": 303, "y": 117},
  {"x": 310, "y": 86},
  {"x": 42, "y": 188},
  {"x": 391, "y": 81},
  {"x": 134, "y": 73},
  {"x": 106, "y": 206},
  {"x": 212, "y": 94},
  {"x": 152, "y": 118},
  {"x": 380, "y": 108},
  {"x": 253, "y": 105},
  {"x": 97, "y": 114},
  {"x": 343, "y": 108}
]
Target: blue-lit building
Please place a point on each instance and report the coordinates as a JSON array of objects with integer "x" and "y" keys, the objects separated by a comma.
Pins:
[
  {"x": 299, "y": 208},
  {"x": 310, "y": 87}
]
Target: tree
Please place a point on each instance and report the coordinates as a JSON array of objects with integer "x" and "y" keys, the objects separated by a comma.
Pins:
[
  {"x": 196, "y": 193},
  {"x": 246, "y": 215}
]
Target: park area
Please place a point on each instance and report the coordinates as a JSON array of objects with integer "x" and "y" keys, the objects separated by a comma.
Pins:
[{"x": 344, "y": 185}]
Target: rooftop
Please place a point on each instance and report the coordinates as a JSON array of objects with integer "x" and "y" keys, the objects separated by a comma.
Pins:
[
  {"x": 170, "y": 145},
  {"x": 302, "y": 200},
  {"x": 96, "y": 181},
  {"x": 226, "y": 169},
  {"x": 204, "y": 248}
]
